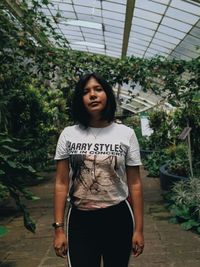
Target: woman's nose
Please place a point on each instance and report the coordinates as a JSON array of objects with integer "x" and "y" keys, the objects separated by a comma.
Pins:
[{"x": 92, "y": 94}]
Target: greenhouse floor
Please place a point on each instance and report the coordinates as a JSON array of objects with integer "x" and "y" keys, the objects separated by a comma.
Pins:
[{"x": 165, "y": 244}]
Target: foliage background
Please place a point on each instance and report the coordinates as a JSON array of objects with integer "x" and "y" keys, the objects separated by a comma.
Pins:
[{"x": 37, "y": 77}]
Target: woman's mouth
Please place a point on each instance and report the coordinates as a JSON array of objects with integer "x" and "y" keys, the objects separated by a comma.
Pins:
[{"x": 94, "y": 103}]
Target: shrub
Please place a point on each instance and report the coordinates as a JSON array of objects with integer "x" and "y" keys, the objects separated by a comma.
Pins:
[
  {"x": 13, "y": 175},
  {"x": 183, "y": 202},
  {"x": 179, "y": 163},
  {"x": 153, "y": 162}
]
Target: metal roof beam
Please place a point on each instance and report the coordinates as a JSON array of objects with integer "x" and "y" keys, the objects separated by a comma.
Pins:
[{"x": 130, "y": 5}]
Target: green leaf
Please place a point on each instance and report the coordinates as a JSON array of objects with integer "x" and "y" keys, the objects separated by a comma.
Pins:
[
  {"x": 194, "y": 223},
  {"x": 28, "y": 222},
  {"x": 11, "y": 149},
  {"x": 173, "y": 220},
  {"x": 2, "y": 172},
  {"x": 189, "y": 224},
  {"x": 35, "y": 198},
  {"x": 31, "y": 169},
  {"x": 6, "y": 140},
  {"x": 182, "y": 212},
  {"x": 3, "y": 231},
  {"x": 45, "y": 2},
  {"x": 12, "y": 164},
  {"x": 186, "y": 225},
  {"x": 28, "y": 194},
  {"x": 4, "y": 157},
  {"x": 27, "y": 168},
  {"x": 39, "y": 178}
]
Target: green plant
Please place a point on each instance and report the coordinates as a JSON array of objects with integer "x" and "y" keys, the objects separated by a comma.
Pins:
[
  {"x": 153, "y": 162},
  {"x": 13, "y": 175},
  {"x": 37, "y": 118},
  {"x": 4, "y": 192},
  {"x": 178, "y": 163},
  {"x": 188, "y": 115},
  {"x": 183, "y": 202},
  {"x": 167, "y": 128},
  {"x": 179, "y": 167},
  {"x": 132, "y": 121},
  {"x": 38, "y": 73},
  {"x": 159, "y": 122}
]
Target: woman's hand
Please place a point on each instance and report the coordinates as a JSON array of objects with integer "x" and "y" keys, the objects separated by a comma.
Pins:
[
  {"x": 137, "y": 243},
  {"x": 60, "y": 243}
]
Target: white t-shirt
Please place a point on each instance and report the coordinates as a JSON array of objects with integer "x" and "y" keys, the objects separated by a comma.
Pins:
[{"x": 98, "y": 159}]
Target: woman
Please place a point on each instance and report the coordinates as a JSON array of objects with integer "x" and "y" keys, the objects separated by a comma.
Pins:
[{"x": 97, "y": 167}]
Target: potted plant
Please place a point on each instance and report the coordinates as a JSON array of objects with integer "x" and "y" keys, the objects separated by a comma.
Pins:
[
  {"x": 177, "y": 167},
  {"x": 183, "y": 201},
  {"x": 167, "y": 179}
]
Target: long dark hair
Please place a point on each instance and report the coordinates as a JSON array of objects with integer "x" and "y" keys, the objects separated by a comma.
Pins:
[{"x": 79, "y": 112}]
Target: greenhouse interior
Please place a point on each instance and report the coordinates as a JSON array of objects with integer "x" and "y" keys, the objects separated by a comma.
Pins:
[{"x": 149, "y": 52}]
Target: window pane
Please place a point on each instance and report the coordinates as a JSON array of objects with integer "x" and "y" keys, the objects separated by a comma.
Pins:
[
  {"x": 171, "y": 32},
  {"x": 195, "y": 32},
  {"x": 192, "y": 8},
  {"x": 160, "y": 48},
  {"x": 176, "y": 24},
  {"x": 138, "y": 41},
  {"x": 142, "y": 30},
  {"x": 144, "y": 23},
  {"x": 147, "y": 15},
  {"x": 92, "y": 4},
  {"x": 162, "y": 43},
  {"x": 167, "y": 38},
  {"x": 141, "y": 36},
  {"x": 151, "y": 6},
  {"x": 181, "y": 15},
  {"x": 114, "y": 7},
  {"x": 117, "y": 16},
  {"x": 114, "y": 22}
]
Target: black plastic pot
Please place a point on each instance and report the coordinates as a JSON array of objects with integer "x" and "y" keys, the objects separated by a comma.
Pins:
[{"x": 167, "y": 179}]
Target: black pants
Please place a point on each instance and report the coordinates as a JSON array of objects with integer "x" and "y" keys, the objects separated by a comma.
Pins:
[{"x": 105, "y": 233}]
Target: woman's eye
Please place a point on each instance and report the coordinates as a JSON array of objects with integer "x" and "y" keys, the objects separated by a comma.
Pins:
[
  {"x": 85, "y": 92},
  {"x": 99, "y": 89}
]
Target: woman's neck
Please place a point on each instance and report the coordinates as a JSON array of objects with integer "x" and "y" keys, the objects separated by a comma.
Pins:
[{"x": 97, "y": 123}]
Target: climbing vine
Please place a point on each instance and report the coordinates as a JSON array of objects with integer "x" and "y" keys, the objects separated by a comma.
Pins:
[{"x": 38, "y": 72}]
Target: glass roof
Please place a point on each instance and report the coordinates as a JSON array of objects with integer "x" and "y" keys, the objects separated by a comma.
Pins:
[
  {"x": 118, "y": 28},
  {"x": 139, "y": 101},
  {"x": 142, "y": 28}
]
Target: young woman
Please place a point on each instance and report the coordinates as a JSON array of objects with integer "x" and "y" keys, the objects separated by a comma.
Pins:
[{"x": 98, "y": 168}]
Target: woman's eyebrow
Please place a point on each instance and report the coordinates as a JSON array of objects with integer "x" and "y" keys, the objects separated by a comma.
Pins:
[
  {"x": 98, "y": 86},
  {"x": 95, "y": 86}
]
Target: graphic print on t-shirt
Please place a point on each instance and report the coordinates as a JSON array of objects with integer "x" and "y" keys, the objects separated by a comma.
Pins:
[
  {"x": 93, "y": 174},
  {"x": 95, "y": 149}
]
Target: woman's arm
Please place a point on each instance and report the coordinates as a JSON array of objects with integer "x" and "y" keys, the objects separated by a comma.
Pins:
[
  {"x": 136, "y": 197},
  {"x": 61, "y": 189}
]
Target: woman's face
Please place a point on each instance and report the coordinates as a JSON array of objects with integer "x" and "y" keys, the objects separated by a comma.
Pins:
[{"x": 94, "y": 97}]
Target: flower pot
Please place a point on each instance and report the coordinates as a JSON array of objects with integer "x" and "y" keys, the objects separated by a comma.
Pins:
[{"x": 167, "y": 179}]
